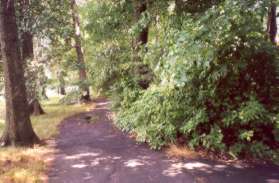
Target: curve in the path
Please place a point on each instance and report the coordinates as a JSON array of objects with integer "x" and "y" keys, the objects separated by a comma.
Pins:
[{"x": 99, "y": 153}]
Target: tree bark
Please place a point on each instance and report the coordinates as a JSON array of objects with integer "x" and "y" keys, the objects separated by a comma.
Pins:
[
  {"x": 27, "y": 52},
  {"x": 80, "y": 57},
  {"x": 61, "y": 79},
  {"x": 18, "y": 129},
  {"x": 43, "y": 93},
  {"x": 272, "y": 23},
  {"x": 35, "y": 107},
  {"x": 142, "y": 72},
  {"x": 27, "y": 46},
  {"x": 142, "y": 38},
  {"x": 62, "y": 90}
]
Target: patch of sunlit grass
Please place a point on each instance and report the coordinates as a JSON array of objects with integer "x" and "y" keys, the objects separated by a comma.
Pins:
[
  {"x": 46, "y": 125},
  {"x": 28, "y": 165},
  {"x": 22, "y": 165},
  {"x": 176, "y": 151}
]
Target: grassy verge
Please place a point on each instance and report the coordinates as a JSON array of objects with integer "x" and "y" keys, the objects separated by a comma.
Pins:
[{"x": 22, "y": 165}]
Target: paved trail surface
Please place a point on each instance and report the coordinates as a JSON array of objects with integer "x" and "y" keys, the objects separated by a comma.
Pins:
[{"x": 99, "y": 153}]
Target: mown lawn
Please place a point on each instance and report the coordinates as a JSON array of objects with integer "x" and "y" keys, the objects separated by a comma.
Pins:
[{"x": 22, "y": 165}]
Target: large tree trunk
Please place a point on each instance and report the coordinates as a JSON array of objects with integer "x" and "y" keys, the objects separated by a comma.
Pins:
[
  {"x": 27, "y": 52},
  {"x": 272, "y": 32},
  {"x": 18, "y": 130},
  {"x": 271, "y": 23},
  {"x": 139, "y": 8},
  {"x": 80, "y": 57},
  {"x": 27, "y": 46},
  {"x": 142, "y": 72}
]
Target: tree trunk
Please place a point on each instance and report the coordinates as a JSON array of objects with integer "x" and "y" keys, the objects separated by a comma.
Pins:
[
  {"x": 27, "y": 52},
  {"x": 18, "y": 129},
  {"x": 62, "y": 90},
  {"x": 27, "y": 46},
  {"x": 142, "y": 72},
  {"x": 179, "y": 4},
  {"x": 61, "y": 79},
  {"x": 35, "y": 107},
  {"x": 43, "y": 93},
  {"x": 142, "y": 38},
  {"x": 80, "y": 57},
  {"x": 271, "y": 23}
]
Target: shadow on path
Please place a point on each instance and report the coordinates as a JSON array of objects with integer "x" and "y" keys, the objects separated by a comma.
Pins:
[{"x": 99, "y": 153}]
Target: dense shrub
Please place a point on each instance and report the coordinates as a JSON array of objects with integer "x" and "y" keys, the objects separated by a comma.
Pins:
[
  {"x": 154, "y": 117},
  {"x": 216, "y": 76}
]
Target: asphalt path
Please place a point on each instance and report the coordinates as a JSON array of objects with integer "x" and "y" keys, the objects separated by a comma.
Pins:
[{"x": 97, "y": 152}]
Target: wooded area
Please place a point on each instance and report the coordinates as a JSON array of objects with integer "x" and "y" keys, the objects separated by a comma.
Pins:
[{"x": 199, "y": 73}]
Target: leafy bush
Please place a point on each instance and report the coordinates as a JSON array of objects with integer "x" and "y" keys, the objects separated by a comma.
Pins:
[
  {"x": 215, "y": 84},
  {"x": 153, "y": 117},
  {"x": 214, "y": 74}
]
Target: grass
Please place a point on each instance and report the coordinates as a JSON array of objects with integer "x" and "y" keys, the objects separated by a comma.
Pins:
[
  {"x": 22, "y": 165},
  {"x": 180, "y": 152}
]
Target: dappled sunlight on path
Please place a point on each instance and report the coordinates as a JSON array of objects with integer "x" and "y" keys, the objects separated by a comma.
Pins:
[{"x": 97, "y": 152}]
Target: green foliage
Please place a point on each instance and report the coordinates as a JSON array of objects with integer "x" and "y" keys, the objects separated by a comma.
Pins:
[
  {"x": 105, "y": 19},
  {"x": 48, "y": 19},
  {"x": 214, "y": 73},
  {"x": 152, "y": 116},
  {"x": 36, "y": 78},
  {"x": 112, "y": 63},
  {"x": 213, "y": 84},
  {"x": 143, "y": 22},
  {"x": 109, "y": 47}
]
